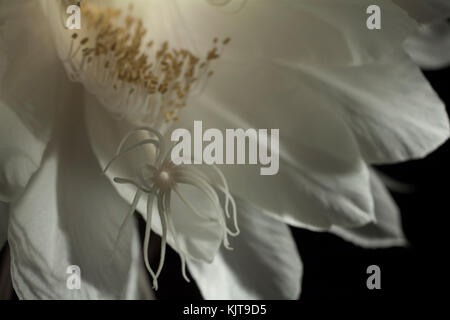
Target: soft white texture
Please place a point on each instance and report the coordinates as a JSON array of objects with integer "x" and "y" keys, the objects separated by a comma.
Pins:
[
  {"x": 386, "y": 231},
  {"x": 390, "y": 107},
  {"x": 430, "y": 47},
  {"x": 20, "y": 154},
  {"x": 426, "y": 11},
  {"x": 263, "y": 265},
  {"x": 68, "y": 215}
]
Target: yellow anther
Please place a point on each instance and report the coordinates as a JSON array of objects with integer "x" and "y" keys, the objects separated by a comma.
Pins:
[{"x": 128, "y": 57}]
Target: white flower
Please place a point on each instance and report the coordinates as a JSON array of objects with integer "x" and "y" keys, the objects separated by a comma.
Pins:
[{"x": 344, "y": 98}]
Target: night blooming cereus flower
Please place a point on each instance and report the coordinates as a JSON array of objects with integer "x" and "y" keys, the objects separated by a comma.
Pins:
[{"x": 105, "y": 98}]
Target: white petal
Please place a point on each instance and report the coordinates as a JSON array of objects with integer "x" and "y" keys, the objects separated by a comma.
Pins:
[
  {"x": 20, "y": 154},
  {"x": 426, "y": 11},
  {"x": 386, "y": 231},
  {"x": 292, "y": 31},
  {"x": 70, "y": 215},
  {"x": 199, "y": 238},
  {"x": 322, "y": 178},
  {"x": 390, "y": 106},
  {"x": 30, "y": 58},
  {"x": 264, "y": 30},
  {"x": 31, "y": 83},
  {"x": 4, "y": 216},
  {"x": 264, "y": 264},
  {"x": 430, "y": 47}
]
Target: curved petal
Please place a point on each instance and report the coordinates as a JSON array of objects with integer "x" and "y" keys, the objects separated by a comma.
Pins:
[
  {"x": 322, "y": 179},
  {"x": 291, "y": 31},
  {"x": 4, "y": 216},
  {"x": 27, "y": 103},
  {"x": 199, "y": 237},
  {"x": 281, "y": 31},
  {"x": 390, "y": 106},
  {"x": 430, "y": 47},
  {"x": 27, "y": 48},
  {"x": 20, "y": 154},
  {"x": 426, "y": 11},
  {"x": 264, "y": 264},
  {"x": 386, "y": 231},
  {"x": 70, "y": 215}
]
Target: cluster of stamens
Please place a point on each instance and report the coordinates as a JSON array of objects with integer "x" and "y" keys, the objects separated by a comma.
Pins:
[
  {"x": 155, "y": 80},
  {"x": 160, "y": 179}
]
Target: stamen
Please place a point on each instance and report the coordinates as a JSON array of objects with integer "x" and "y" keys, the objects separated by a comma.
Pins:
[{"x": 115, "y": 52}]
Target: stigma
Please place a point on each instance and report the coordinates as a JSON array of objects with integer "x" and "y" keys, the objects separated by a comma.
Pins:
[{"x": 159, "y": 180}]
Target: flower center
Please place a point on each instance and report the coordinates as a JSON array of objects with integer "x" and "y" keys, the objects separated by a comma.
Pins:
[
  {"x": 165, "y": 180},
  {"x": 129, "y": 72},
  {"x": 160, "y": 179},
  {"x": 164, "y": 176}
]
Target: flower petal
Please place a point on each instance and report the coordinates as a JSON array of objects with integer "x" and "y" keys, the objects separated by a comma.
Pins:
[
  {"x": 27, "y": 104},
  {"x": 20, "y": 154},
  {"x": 430, "y": 47},
  {"x": 264, "y": 264},
  {"x": 70, "y": 215},
  {"x": 264, "y": 30},
  {"x": 322, "y": 179},
  {"x": 4, "y": 216},
  {"x": 291, "y": 31},
  {"x": 390, "y": 106},
  {"x": 27, "y": 48},
  {"x": 426, "y": 11},
  {"x": 386, "y": 231}
]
